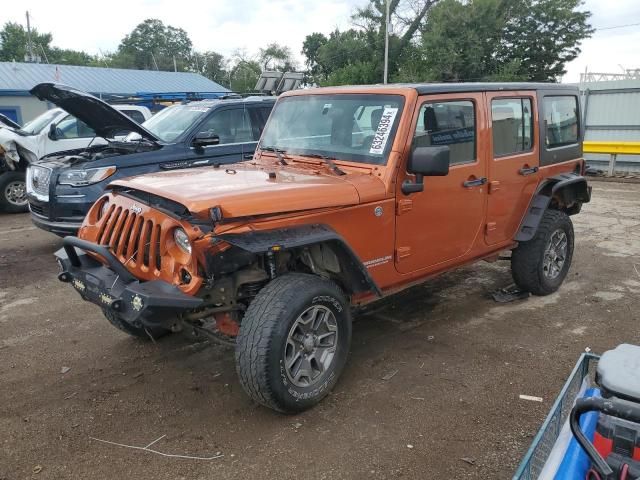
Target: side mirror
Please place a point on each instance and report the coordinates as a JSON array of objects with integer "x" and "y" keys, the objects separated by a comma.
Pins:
[
  {"x": 426, "y": 162},
  {"x": 53, "y": 131},
  {"x": 203, "y": 139}
]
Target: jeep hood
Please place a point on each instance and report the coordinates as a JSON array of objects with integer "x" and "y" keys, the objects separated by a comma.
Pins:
[
  {"x": 105, "y": 120},
  {"x": 245, "y": 190}
]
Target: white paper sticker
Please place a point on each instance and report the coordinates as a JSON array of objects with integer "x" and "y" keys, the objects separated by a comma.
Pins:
[{"x": 384, "y": 130}]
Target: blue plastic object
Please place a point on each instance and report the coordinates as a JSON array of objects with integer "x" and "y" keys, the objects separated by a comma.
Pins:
[{"x": 575, "y": 463}]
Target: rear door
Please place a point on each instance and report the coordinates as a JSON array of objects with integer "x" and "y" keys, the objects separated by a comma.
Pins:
[
  {"x": 441, "y": 224},
  {"x": 515, "y": 161}
]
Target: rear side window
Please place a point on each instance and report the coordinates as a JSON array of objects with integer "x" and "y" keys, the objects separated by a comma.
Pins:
[
  {"x": 448, "y": 123},
  {"x": 512, "y": 125},
  {"x": 561, "y": 120}
]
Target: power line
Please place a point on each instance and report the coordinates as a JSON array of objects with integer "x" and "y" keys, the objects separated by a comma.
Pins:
[{"x": 618, "y": 26}]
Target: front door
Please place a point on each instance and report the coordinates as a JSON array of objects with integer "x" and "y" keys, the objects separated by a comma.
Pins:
[
  {"x": 238, "y": 139},
  {"x": 70, "y": 134},
  {"x": 441, "y": 224},
  {"x": 513, "y": 168}
]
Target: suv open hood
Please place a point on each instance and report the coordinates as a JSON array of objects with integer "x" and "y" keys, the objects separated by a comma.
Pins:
[
  {"x": 105, "y": 120},
  {"x": 244, "y": 190}
]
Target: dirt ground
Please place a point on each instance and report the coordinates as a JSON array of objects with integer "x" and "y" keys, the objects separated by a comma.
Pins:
[{"x": 461, "y": 361}]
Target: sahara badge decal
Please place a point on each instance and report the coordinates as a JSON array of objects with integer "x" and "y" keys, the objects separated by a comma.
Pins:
[{"x": 377, "y": 261}]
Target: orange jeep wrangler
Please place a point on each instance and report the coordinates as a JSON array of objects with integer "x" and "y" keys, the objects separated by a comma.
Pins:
[{"x": 354, "y": 193}]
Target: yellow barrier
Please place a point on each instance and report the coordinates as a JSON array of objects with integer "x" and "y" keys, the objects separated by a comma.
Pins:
[{"x": 612, "y": 148}]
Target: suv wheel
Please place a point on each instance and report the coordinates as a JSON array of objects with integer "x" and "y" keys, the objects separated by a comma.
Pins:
[
  {"x": 540, "y": 265},
  {"x": 13, "y": 192},
  {"x": 144, "y": 333},
  {"x": 293, "y": 342}
]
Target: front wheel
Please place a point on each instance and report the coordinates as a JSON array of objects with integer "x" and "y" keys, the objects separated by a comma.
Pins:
[
  {"x": 293, "y": 342},
  {"x": 13, "y": 192},
  {"x": 540, "y": 265}
]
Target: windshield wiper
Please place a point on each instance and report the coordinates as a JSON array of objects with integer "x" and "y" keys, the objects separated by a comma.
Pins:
[
  {"x": 327, "y": 160},
  {"x": 279, "y": 153}
]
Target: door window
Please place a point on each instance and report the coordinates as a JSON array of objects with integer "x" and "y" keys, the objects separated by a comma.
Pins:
[
  {"x": 134, "y": 115},
  {"x": 561, "y": 120},
  {"x": 70, "y": 127},
  {"x": 511, "y": 125},
  {"x": 451, "y": 123},
  {"x": 232, "y": 126}
]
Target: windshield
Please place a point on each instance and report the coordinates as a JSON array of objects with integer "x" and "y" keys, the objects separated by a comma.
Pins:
[
  {"x": 357, "y": 128},
  {"x": 36, "y": 125},
  {"x": 170, "y": 123}
]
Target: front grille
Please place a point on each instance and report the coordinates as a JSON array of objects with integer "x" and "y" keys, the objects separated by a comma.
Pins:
[
  {"x": 38, "y": 180},
  {"x": 131, "y": 237}
]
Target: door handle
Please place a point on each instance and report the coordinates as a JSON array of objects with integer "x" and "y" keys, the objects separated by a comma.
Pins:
[
  {"x": 248, "y": 156},
  {"x": 526, "y": 170},
  {"x": 475, "y": 183}
]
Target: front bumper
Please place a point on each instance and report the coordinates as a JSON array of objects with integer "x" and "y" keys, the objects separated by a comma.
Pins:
[
  {"x": 62, "y": 228},
  {"x": 151, "y": 304}
]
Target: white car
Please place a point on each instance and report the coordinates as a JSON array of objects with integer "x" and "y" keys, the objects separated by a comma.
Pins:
[{"x": 53, "y": 131}]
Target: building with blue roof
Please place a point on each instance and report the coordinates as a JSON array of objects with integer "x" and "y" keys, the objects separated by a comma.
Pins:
[{"x": 110, "y": 84}]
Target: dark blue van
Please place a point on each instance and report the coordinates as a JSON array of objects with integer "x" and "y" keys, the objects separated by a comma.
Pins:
[{"x": 61, "y": 187}]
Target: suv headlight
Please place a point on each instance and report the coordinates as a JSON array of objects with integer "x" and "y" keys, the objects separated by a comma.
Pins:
[
  {"x": 182, "y": 240},
  {"x": 80, "y": 178}
]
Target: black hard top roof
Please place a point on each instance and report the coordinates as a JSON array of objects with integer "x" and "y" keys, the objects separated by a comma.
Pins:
[{"x": 424, "y": 88}]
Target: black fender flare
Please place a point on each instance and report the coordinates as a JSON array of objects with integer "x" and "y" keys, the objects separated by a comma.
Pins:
[
  {"x": 356, "y": 275},
  {"x": 569, "y": 189}
]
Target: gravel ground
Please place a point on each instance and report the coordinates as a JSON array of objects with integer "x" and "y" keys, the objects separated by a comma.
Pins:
[{"x": 461, "y": 361}]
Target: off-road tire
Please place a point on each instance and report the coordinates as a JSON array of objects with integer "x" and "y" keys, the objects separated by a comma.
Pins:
[
  {"x": 527, "y": 260},
  {"x": 265, "y": 328},
  {"x": 6, "y": 180},
  {"x": 146, "y": 333}
]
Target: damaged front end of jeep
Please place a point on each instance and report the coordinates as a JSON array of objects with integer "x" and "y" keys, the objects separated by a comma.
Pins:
[{"x": 155, "y": 265}]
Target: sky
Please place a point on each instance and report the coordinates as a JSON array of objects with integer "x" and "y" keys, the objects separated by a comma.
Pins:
[{"x": 226, "y": 26}]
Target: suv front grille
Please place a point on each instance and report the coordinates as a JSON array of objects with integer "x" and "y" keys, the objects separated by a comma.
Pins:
[
  {"x": 38, "y": 180},
  {"x": 131, "y": 237}
]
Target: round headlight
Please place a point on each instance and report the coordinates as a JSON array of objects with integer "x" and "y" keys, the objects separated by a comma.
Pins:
[
  {"x": 182, "y": 240},
  {"x": 104, "y": 208}
]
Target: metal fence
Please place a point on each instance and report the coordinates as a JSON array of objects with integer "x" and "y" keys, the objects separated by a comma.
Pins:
[{"x": 611, "y": 115}]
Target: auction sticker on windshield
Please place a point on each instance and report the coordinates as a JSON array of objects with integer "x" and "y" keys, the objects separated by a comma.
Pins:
[{"x": 383, "y": 131}]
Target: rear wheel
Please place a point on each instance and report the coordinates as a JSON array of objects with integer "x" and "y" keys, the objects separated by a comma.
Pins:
[
  {"x": 293, "y": 342},
  {"x": 13, "y": 192},
  {"x": 540, "y": 265},
  {"x": 145, "y": 333}
]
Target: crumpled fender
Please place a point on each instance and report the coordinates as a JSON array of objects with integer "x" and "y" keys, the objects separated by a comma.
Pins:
[{"x": 14, "y": 147}]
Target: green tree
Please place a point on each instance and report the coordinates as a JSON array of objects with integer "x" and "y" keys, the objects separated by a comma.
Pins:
[
  {"x": 152, "y": 45},
  {"x": 277, "y": 57},
  {"x": 13, "y": 42},
  {"x": 542, "y": 36},
  {"x": 212, "y": 65},
  {"x": 14, "y": 46},
  {"x": 501, "y": 40},
  {"x": 244, "y": 73},
  {"x": 357, "y": 54}
]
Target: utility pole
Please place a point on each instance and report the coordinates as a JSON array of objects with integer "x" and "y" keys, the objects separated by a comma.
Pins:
[
  {"x": 386, "y": 44},
  {"x": 29, "y": 42},
  {"x": 175, "y": 66}
]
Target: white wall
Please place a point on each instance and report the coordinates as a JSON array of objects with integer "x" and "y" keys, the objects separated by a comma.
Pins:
[{"x": 28, "y": 107}]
